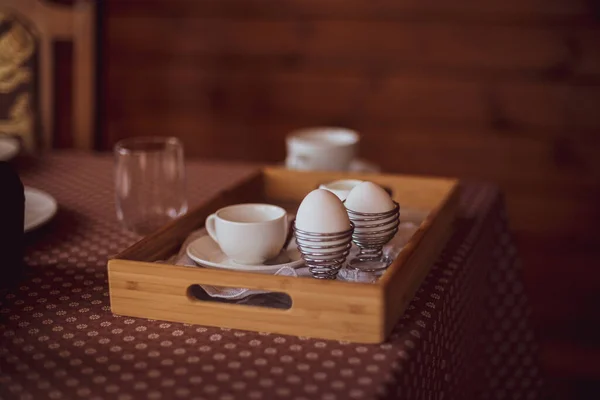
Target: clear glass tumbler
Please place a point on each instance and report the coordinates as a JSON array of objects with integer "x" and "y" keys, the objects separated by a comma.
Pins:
[{"x": 149, "y": 182}]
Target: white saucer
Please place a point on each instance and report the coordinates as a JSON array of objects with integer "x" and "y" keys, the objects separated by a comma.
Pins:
[
  {"x": 9, "y": 148},
  {"x": 40, "y": 207},
  {"x": 207, "y": 252}
]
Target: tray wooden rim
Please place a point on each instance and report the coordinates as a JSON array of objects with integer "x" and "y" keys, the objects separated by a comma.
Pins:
[{"x": 386, "y": 299}]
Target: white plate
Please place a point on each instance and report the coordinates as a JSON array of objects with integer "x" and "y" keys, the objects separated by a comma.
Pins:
[
  {"x": 9, "y": 148},
  {"x": 40, "y": 207},
  {"x": 207, "y": 252}
]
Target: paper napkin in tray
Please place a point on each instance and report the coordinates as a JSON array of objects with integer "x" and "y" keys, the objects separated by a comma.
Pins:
[
  {"x": 225, "y": 292},
  {"x": 391, "y": 250}
]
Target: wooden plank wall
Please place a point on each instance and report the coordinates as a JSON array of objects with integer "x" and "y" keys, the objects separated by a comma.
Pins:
[{"x": 500, "y": 90}]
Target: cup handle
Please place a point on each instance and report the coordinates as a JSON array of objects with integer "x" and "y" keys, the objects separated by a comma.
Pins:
[
  {"x": 210, "y": 226},
  {"x": 289, "y": 232}
]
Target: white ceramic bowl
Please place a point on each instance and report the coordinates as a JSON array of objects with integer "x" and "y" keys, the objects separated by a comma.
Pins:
[{"x": 321, "y": 148}]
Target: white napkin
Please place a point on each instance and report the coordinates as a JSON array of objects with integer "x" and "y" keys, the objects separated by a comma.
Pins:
[{"x": 391, "y": 250}]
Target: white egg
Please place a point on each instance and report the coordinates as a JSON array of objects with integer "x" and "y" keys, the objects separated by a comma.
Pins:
[
  {"x": 322, "y": 212},
  {"x": 368, "y": 197}
]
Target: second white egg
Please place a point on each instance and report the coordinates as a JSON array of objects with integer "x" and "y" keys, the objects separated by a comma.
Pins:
[{"x": 368, "y": 197}]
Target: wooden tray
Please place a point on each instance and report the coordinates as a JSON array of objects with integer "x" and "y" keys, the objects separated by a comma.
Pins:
[{"x": 358, "y": 312}]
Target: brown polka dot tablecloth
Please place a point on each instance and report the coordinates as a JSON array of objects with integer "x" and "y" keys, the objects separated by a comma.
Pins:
[{"x": 466, "y": 334}]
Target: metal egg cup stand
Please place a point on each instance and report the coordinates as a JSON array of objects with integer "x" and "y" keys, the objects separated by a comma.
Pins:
[
  {"x": 325, "y": 253},
  {"x": 371, "y": 232}
]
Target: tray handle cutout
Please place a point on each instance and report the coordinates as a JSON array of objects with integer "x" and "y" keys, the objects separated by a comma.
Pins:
[{"x": 275, "y": 300}]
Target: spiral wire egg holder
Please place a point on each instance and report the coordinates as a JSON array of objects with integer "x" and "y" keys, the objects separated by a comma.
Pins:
[
  {"x": 381, "y": 228},
  {"x": 324, "y": 253}
]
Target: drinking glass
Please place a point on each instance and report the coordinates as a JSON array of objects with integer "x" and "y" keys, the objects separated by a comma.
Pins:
[{"x": 149, "y": 182}]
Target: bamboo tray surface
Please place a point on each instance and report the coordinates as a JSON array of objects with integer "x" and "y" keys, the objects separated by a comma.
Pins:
[{"x": 141, "y": 287}]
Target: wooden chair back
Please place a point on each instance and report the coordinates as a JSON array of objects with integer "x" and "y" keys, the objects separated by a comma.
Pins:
[{"x": 53, "y": 22}]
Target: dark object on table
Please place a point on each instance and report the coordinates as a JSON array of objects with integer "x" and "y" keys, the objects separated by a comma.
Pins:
[{"x": 12, "y": 214}]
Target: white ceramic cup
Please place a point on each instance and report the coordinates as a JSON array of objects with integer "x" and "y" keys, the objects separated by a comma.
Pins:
[
  {"x": 249, "y": 233},
  {"x": 321, "y": 148}
]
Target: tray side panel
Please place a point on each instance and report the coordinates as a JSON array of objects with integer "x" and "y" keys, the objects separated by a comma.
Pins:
[
  {"x": 405, "y": 276},
  {"x": 322, "y": 309}
]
